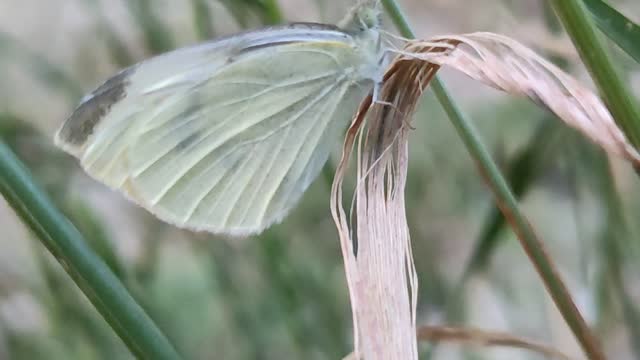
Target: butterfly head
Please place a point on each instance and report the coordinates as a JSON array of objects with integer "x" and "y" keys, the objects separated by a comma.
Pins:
[{"x": 363, "y": 17}]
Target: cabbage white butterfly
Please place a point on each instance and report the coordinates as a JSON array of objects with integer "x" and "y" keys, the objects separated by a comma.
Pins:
[{"x": 225, "y": 136}]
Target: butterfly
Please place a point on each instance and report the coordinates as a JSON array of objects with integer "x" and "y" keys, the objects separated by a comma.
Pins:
[{"x": 225, "y": 136}]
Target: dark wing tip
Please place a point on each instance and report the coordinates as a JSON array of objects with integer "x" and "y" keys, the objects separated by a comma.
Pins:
[{"x": 81, "y": 124}]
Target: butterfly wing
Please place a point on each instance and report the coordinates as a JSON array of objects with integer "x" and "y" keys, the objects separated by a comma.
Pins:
[{"x": 226, "y": 136}]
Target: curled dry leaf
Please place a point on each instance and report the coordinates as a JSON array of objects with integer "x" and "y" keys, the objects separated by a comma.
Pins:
[
  {"x": 377, "y": 250},
  {"x": 507, "y": 65},
  {"x": 378, "y": 261}
]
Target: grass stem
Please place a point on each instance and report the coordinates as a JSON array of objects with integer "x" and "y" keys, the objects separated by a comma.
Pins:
[
  {"x": 507, "y": 203},
  {"x": 87, "y": 270}
]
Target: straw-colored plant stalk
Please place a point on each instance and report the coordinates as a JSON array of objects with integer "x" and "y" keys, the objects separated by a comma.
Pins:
[{"x": 375, "y": 242}]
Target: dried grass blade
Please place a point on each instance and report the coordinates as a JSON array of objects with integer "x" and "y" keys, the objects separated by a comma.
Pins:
[
  {"x": 486, "y": 338},
  {"x": 507, "y": 65}
]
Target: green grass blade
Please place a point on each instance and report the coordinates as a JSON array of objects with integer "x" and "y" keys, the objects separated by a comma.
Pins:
[
  {"x": 620, "y": 29},
  {"x": 157, "y": 36},
  {"x": 293, "y": 284},
  {"x": 12, "y": 126},
  {"x": 70, "y": 313},
  {"x": 39, "y": 154},
  {"x": 238, "y": 12},
  {"x": 530, "y": 243},
  {"x": 87, "y": 270},
  {"x": 202, "y": 19},
  {"x": 230, "y": 293},
  {"x": 51, "y": 75},
  {"x": 120, "y": 54},
  {"x": 523, "y": 170},
  {"x": 286, "y": 292},
  {"x": 622, "y": 105},
  {"x": 271, "y": 13},
  {"x": 268, "y": 11},
  {"x": 508, "y": 204},
  {"x": 88, "y": 222},
  {"x": 612, "y": 243}
]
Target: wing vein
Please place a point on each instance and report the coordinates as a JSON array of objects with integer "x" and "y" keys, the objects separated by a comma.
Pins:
[
  {"x": 208, "y": 190},
  {"x": 274, "y": 157},
  {"x": 144, "y": 167},
  {"x": 311, "y": 103},
  {"x": 328, "y": 119},
  {"x": 338, "y": 82}
]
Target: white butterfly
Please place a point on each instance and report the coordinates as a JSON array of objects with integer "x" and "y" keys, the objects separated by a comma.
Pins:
[{"x": 226, "y": 136}]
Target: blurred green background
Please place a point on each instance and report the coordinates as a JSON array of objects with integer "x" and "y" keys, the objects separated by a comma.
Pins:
[{"x": 282, "y": 295}]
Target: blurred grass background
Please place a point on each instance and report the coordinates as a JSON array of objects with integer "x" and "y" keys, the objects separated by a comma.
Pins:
[{"x": 283, "y": 294}]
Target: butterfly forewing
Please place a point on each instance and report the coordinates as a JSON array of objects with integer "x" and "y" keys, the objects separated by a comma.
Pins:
[{"x": 225, "y": 136}]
